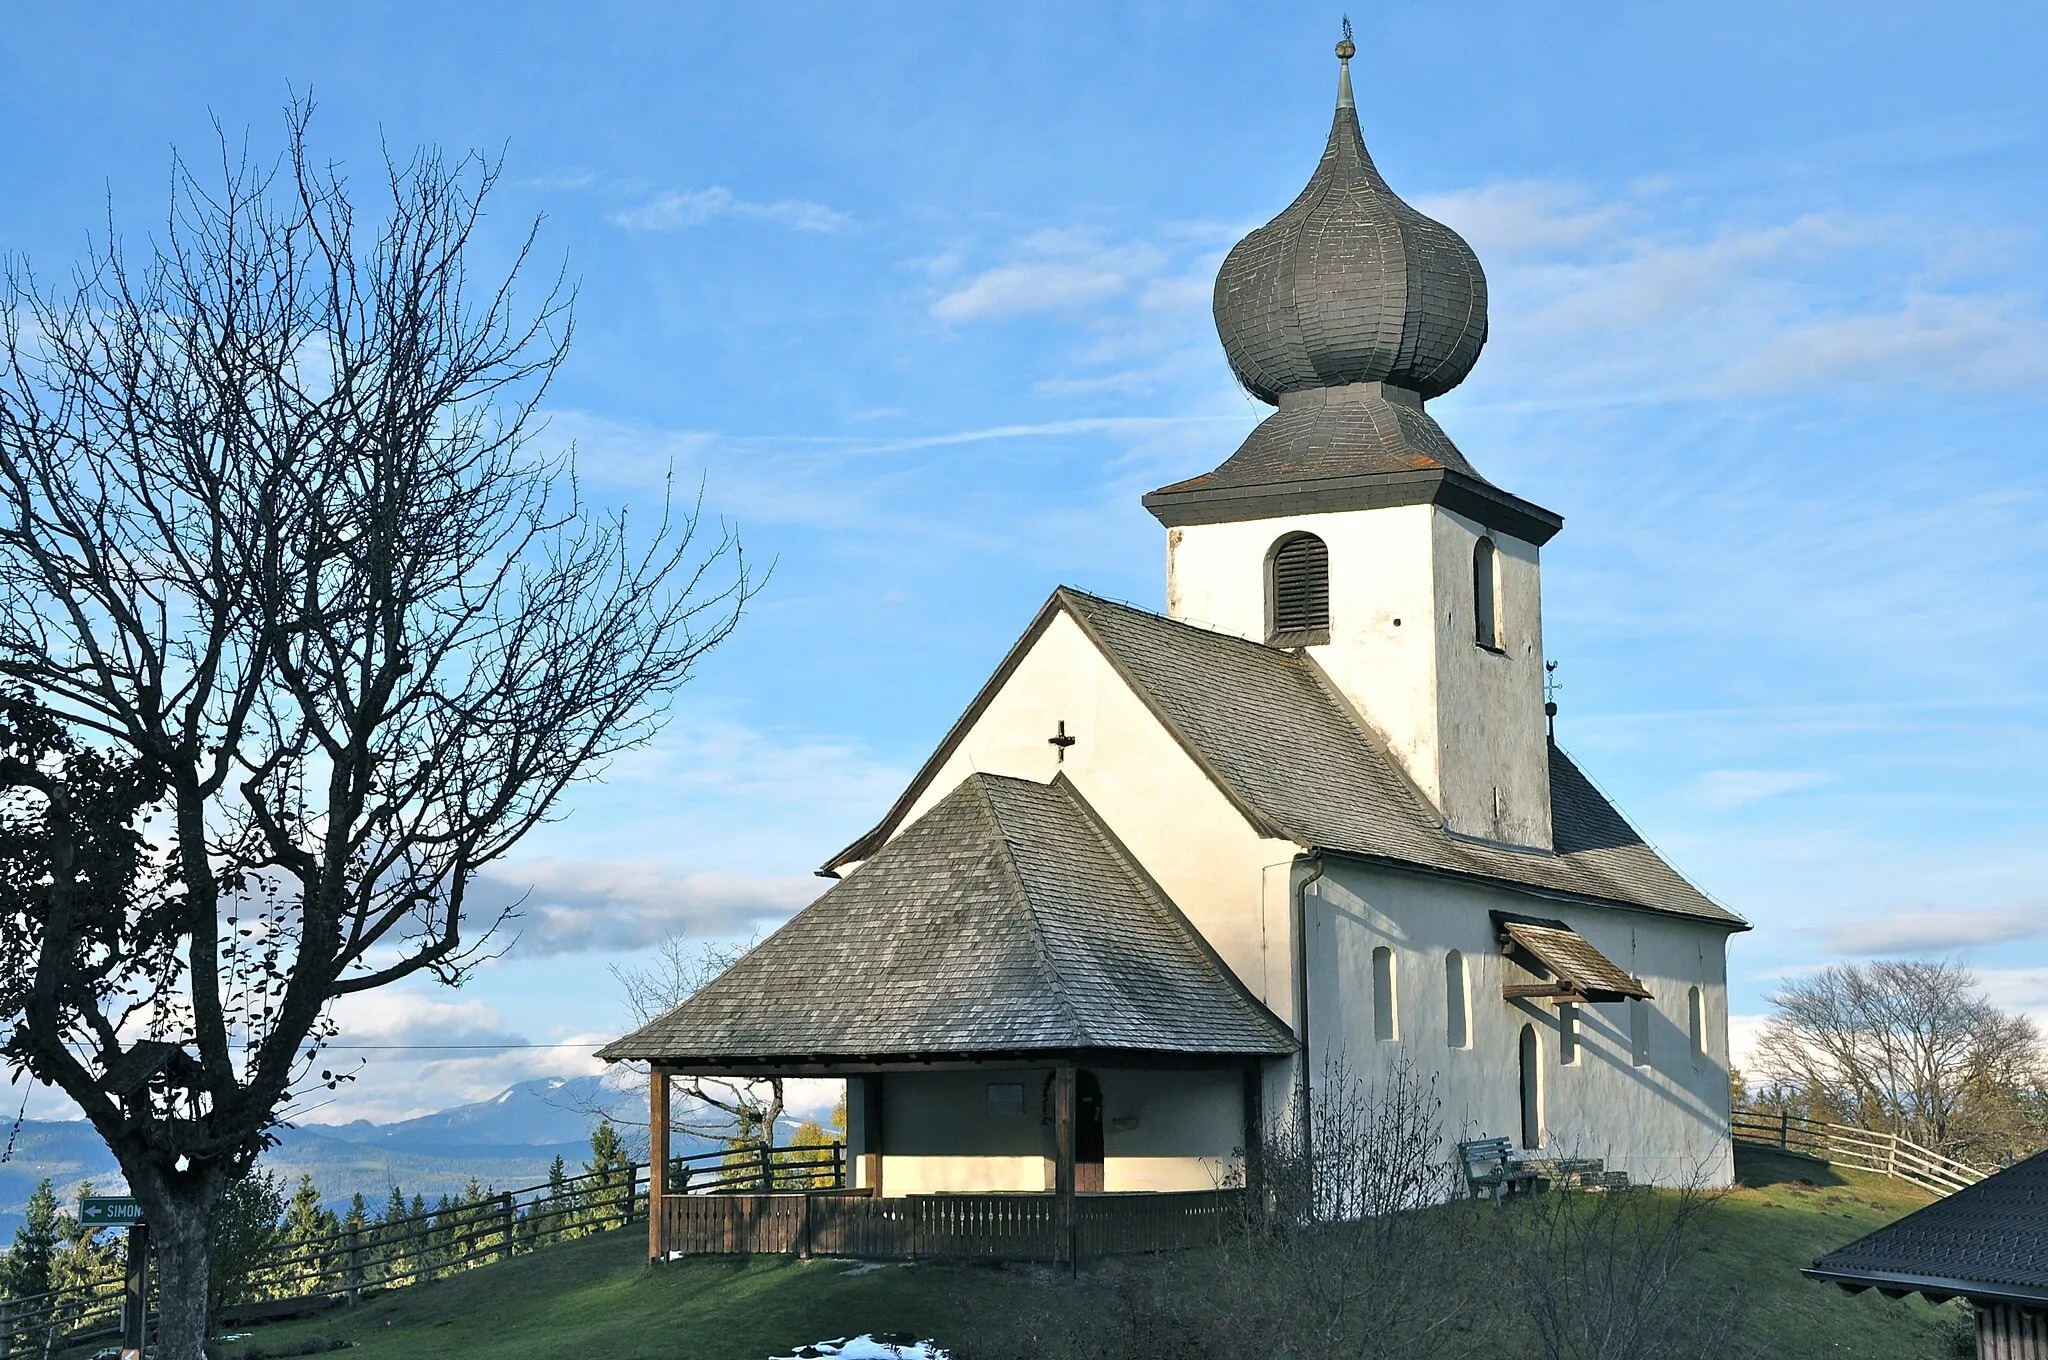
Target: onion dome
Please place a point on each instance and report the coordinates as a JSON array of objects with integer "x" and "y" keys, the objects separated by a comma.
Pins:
[
  {"x": 1350, "y": 284},
  {"x": 1348, "y": 311}
]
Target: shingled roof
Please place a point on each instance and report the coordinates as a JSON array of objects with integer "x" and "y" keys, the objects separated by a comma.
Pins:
[
  {"x": 1275, "y": 738},
  {"x": 1988, "y": 1241},
  {"x": 1006, "y": 920}
]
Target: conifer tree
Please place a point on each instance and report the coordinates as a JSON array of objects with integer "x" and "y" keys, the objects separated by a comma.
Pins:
[
  {"x": 611, "y": 1169},
  {"x": 26, "y": 1269}
]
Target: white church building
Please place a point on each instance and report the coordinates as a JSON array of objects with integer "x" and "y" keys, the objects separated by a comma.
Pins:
[{"x": 1166, "y": 869}]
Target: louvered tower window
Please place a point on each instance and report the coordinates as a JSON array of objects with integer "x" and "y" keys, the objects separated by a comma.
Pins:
[{"x": 1301, "y": 590}]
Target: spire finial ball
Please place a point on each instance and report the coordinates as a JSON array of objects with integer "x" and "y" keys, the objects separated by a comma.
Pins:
[{"x": 1346, "y": 50}]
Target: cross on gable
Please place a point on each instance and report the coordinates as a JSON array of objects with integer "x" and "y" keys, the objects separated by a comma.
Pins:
[{"x": 1062, "y": 741}]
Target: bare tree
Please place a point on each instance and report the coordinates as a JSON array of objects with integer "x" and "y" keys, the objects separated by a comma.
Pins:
[
  {"x": 303, "y": 634},
  {"x": 727, "y": 1110},
  {"x": 1610, "y": 1275},
  {"x": 1908, "y": 1047}
]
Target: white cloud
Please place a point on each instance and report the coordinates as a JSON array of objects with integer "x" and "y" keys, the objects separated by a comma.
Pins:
[
  {"x": 1609, "y": 301},
  {"x": 1742, "y": 1034},
  {"x": 695, "y": 207},
  {"x": 1739, "y": 788},
  {"x": 1925, "y": 931},
  {"x": 1525, "y": 217},
  {"x": 1021, "y": 289},
  {"x": 571, "y": 905}
]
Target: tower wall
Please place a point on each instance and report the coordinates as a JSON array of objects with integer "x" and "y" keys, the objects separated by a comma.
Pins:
[{"x": 1465, "y": 722}]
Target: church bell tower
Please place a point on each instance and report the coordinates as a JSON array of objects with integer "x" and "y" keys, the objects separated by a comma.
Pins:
[{"x": 1348, "y": 524}]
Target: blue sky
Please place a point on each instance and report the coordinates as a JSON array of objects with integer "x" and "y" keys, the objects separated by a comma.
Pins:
[{"x": 921, "y": 292}]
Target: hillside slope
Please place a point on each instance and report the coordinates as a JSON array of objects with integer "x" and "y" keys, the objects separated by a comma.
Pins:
[{"x": 598, "y": 1297}]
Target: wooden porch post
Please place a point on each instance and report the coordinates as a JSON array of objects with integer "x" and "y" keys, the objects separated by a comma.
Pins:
[
  {"x": 657, "y": 1160},
  {"x": 1254, "y": 1130},
  {"x": 871, "y": 1134},
  {"x": 1063, "y": 1158}
]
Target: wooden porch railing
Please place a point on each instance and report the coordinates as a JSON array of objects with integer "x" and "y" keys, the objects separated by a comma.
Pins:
[
  {"x": 1008, "y": 1227},
  {"x": 1863, "y": 1149}
]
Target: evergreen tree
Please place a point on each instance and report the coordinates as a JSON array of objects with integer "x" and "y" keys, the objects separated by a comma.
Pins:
[
  {"x": 559, "y": 1215},
  {"x": 26, "y": 1269},
  {"x": 309, "y": 1231},
  {"x": 84, "y": 1256},
  {"x": 611, "y": 1190},
  {"x": 245, "y": 1239},
  {"x": 391, "y": 1259}
]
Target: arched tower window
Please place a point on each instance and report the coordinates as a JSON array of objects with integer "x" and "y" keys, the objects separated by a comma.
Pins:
[
  {"x": 1486, "y": 594},
  {"x": 1299, "y": 588}
]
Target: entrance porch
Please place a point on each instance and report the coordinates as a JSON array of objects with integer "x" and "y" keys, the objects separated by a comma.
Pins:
[{"x": 1051, "y": 1158}]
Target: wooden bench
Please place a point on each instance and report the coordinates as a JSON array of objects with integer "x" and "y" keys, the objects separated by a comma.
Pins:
[{"x": 1488, "y": 1170}]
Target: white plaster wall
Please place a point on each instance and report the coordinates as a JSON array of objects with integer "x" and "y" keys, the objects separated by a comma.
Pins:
[
  {"x": 1230, "y": 882},
  {"x": 938, "y": 1136},
  {"x": 1463, "y": 721},
  {"x": 1493, "y": 755},
  {"x": 1665, "y": 1122},
  {"x": 1188, "y": 1132}
]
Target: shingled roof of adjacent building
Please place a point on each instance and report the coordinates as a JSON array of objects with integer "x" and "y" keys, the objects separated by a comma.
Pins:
[
  {"x": 1988, "y": 1241},
  {"x": 1273, "y": 735},
  {"x": 1006, "y": 920}
]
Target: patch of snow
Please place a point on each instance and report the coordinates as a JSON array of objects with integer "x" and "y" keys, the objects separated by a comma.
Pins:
[{"x": 866, "y": 1347}]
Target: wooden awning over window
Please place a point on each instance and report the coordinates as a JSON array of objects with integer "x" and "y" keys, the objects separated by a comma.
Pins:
[{"x": 1575, "y": 969}]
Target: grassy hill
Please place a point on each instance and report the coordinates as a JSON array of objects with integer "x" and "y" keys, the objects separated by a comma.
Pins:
[{"x": 597, "y": 1297}]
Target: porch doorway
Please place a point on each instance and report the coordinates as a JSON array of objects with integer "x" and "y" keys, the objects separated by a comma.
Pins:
[{"x": 1088, "y": 1147}]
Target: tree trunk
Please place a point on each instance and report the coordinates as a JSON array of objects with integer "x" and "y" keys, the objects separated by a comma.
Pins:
[{"x": 180, "y": 1216}]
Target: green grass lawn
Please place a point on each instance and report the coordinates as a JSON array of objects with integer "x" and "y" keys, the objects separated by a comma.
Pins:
[{"x": 597, "y": 1299}]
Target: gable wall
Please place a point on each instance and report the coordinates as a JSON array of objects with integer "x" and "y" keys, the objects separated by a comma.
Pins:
[
  {"x": 1664, "y": 1121},
  {"x": 1229, "y": 882}
]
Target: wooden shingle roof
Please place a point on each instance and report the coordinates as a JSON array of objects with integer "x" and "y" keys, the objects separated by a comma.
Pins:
[{"x": 1006, "y": 920}]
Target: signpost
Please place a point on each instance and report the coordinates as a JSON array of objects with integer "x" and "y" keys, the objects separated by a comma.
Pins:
[
  {"x": 108, "y": 1211},
  {"x": 115, "y": 1211}
]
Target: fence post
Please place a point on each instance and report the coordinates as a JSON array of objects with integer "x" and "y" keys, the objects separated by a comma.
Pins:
[
  {"x": 6, "y": 1328},
  {"x": 1891, "y": 1159},
  {"x": 352, "y": 1272},
  {"x": 1784, "y": 1130},
  {"x": 510, "y": 1215},
  {"x": 767, "y": 1168}
]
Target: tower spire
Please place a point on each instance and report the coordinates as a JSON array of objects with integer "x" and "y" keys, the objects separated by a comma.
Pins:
[{"x": 1345, "y": 50}]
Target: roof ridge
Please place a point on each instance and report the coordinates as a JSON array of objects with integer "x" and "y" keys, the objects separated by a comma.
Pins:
[
  {"x": 1121, "y": 855},
  {"x": 1056, "y": 981}
]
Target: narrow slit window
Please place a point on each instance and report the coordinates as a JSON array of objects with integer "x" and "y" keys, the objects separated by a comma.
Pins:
[
  {"x": 1301, "y": 585},
  {"x": 1567, "y": 1034},
  {"x": 1457, "y": 1002},
  {"x": 1696, "y": 1021},
  {"x": 1486, "y": 594},
  {"x": 1639, "y": 1031},
  {"x": 1383, "y": 1009}
]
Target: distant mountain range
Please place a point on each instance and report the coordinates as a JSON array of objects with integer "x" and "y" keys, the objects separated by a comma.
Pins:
[{"x": 507, "y": 1142}]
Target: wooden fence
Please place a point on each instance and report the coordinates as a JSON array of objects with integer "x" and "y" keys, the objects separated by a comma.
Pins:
[
  {"x": 1008, "y": 1227},
  {"x": 1863, "y": 1149},
  {"x": 357, "y": 1260}
]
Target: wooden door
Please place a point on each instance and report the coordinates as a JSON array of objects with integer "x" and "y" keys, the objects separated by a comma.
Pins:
[{"x": 1088, "y": 1147}]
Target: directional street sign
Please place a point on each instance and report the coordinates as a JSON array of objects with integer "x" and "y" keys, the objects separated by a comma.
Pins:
[{"x": 108, "y": 1211}]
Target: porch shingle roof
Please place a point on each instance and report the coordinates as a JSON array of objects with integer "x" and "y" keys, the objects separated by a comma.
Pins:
[{"x": 1005, "y": 920}]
